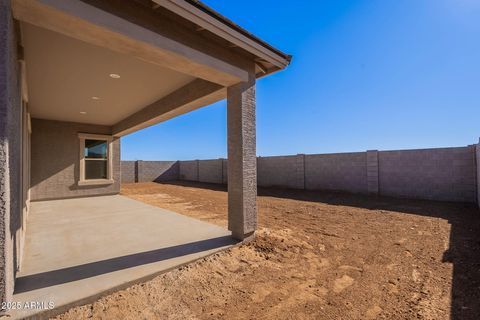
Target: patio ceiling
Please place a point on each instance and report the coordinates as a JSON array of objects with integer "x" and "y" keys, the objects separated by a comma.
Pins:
[
  {"x": 69, "y": 80},
  {"x": 171, "y": 59}
]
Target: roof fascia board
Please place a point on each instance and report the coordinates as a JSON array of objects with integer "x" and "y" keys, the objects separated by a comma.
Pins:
[{"x": 211, "y": 24}]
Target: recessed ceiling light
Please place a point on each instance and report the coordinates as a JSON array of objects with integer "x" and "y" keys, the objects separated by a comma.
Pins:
[
  {"x": 114, "y": 75},
  {"x": 83, "y": 112},
  {"x": 95, "y": 98}
]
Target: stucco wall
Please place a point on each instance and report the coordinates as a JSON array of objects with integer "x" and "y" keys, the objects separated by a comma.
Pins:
[
  {"x": 439, "y": 174},
  {"x": 10, "y": 152},
  {"x": 55, "y": 160}
]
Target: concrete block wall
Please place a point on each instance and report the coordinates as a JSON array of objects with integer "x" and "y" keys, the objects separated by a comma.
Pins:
[
  {"x": 477, "y": 162},
  {"x": 128, "y": 171},
  {"x": 157, "y": 171},
  {"x": 189, "y": 170},
  {"x": 447, "y": 174},
  {"x": 444, "y": 174},
  {"x": 225, "y": 171},
  {"x": 210, "y": 171},
  {"x": 336, "y": 171},
  {"x": 372, "y": 172},
  {"x": 281, "y": 171},
  {"x": 146, "y": 171}
]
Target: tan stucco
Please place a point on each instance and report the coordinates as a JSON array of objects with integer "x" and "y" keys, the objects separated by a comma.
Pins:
[{"x": 56, "y": 161}]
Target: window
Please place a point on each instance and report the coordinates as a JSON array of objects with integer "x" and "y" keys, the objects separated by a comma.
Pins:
[{"x": 95, "y": 159}]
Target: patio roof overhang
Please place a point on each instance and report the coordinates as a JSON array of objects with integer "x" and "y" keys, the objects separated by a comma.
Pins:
[
  {"x": 194, "y": 52},
  {"x": 115, "y": 67}
]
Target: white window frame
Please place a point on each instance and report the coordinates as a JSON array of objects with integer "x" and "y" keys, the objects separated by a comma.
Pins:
[{"x": 88, "y": 182}]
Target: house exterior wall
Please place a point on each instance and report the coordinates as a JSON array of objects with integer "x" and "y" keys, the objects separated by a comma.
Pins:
[
  {"x": 20, "y": 226},
  {"x": 55, "y": 161},
  {"x": 10, "y": 152}
]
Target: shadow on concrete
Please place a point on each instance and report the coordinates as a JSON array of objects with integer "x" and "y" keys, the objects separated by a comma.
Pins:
[
  {"x": 464, "y": 246},
  {"x": 88, "y": 270}
]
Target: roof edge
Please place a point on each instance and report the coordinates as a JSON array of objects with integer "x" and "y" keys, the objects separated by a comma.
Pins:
[{"x": 207, "y": 18}]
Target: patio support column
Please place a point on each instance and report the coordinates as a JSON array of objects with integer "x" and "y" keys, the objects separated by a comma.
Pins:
[
  {"x": 242, "y": 164},
  {"x": 9, "y": 129}
]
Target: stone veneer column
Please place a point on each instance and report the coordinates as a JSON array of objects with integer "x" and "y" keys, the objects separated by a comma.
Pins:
[
  {"x": 372, "y": 172},
  {"x": 7, "y": 125},
  {"x": 242, "y": 165}
]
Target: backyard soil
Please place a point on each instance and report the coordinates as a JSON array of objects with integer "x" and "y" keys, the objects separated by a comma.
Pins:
[{"x": 316, "y": 255}]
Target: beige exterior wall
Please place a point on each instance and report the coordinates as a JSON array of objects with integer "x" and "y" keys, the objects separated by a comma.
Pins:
[
  {"x": 55, "y": 160},
  {"x": 25, "y": 185}
]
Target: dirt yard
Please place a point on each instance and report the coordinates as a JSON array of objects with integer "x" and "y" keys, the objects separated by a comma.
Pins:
[{"x": 316, "y": 256}]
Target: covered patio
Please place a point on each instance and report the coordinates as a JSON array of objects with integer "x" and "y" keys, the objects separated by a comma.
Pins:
[
  {"x": 78, "y": 249},
  {"x": 81, "y": 74}
]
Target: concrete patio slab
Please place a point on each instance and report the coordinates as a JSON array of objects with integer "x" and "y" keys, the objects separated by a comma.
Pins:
[{"x": 79, "y": 249}]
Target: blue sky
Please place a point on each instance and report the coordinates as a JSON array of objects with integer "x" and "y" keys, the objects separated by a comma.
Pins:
[{"x": 371, "y": 74}]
